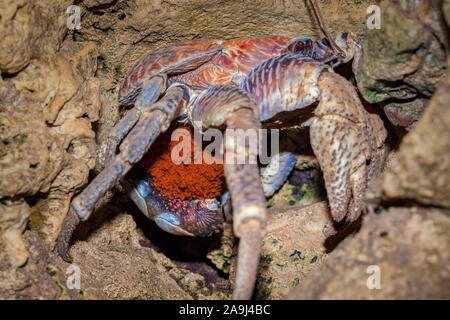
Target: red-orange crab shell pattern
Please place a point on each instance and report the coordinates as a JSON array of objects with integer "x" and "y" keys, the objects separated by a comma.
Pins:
[
  {"x": 221, "y": 62},
  {"x": 170, "y": 59},
  {"x": 236, "y": 59}
]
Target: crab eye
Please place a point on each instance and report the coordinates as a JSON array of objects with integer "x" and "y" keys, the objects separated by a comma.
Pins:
[
  {"x": 299, "y": 47},
  {"x": 296, "y": 47}
]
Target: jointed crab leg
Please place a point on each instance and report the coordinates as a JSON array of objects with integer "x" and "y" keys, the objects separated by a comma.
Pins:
[
  {"x": 152, "y": 87},
  {"x": 277, "y": 171},
  {"x": 236, "y": 109},
  {"x": 345, "y": 138},
  {"x": 249, "y": 207},
  {"x": 154, "y": 119}
]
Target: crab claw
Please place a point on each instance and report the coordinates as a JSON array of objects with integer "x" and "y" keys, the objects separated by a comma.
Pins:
[{"x": 345, "y": 140}]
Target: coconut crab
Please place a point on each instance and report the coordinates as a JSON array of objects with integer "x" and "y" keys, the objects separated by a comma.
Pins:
[{"x": 238, "y": 84}]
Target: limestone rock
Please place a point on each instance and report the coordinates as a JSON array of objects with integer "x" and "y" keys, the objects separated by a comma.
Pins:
[
  {"x": 28, "y": 30},
  {"x": 47, "y": 145},
  {"x": 42, "y": 277},
  {"x": 297, "y": 241},
  {"x": 13, "y": 220},
  {"x": 421, "y": 170},
  {"x": 293, "y": 246},
  {"x": 96, "y": 3},
  {"x": 404, "y": 59},
  {"x": 114, "y": 265},
  {"x": 409, "y": 249}
]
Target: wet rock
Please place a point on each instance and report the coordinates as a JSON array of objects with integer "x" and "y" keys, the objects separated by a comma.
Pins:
[
  {"x": 404, "y": 59},
  {"x": 421, "y": 169},
  {"x": 408, "y": 246}
]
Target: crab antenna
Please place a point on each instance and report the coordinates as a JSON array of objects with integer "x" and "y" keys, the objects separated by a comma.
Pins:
[{"x": 323, "y": 28}]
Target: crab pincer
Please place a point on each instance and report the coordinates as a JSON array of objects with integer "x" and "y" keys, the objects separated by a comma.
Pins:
[
  {"x": 347, "y": 142},
  {"x": 238, "y": 86},
  {"x": 345, "y": 138}
]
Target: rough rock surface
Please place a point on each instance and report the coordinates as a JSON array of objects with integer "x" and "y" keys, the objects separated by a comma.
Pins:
[
  {"x": 42, "y": 277},
  {"x": 294, "y": 245},
  {"x": 13, "y": 221},
  {"x": 47, "y": 144},
  {"x": 28, "y": 30},
  {"x": 114, "y": 265},
  {"x": 46, "y": 140},
  {"x": 110, "y": 263},
  {"x": 410, "y": 246},
  {"x": 421, "y": 170},
  {"x": 404, "y": 60}
]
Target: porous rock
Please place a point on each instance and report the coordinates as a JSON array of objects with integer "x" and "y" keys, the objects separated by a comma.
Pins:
[
  {"x": 407, "y": 248},
  {"x": 404, "y": 59},
  {"x": 421, "y": 169}
]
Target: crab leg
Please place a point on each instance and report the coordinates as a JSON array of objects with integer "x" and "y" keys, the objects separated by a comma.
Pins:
[
  {"x": 276, "y": 172},
  {"x": 148, "y": 79},
  {"x": 345, "y": 138},
  {"x": 249, "y": 206},
  {"x": 155, "y": 118},
  {"x": 152, "y": 87},
  {"x": 234, "y": 108}
]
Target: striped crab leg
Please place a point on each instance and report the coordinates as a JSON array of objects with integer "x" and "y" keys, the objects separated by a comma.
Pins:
[
  {"x": 155, "y": 118},
  {"x": 234, "y": 108},
  {"x": 346, "y": 139},
  {"x": 147, "y": 81},
  {"x": 141, "y": 125}
]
